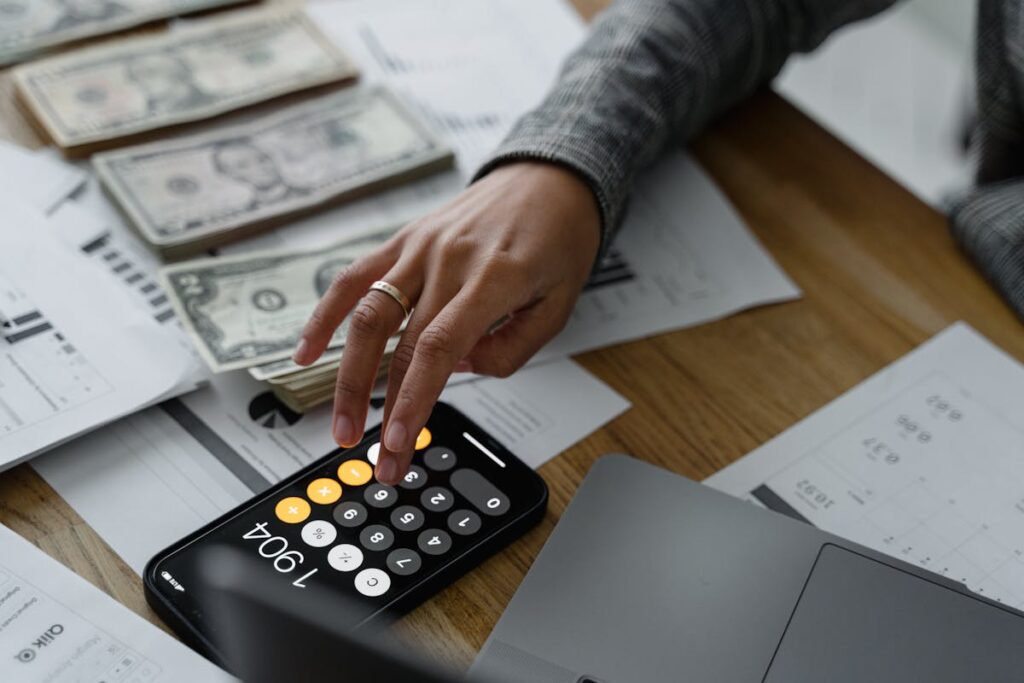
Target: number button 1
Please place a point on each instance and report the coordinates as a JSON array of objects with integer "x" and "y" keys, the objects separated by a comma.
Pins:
[
  {"x": 437, "y": 499},
  {"x": 464, "y": 522}
]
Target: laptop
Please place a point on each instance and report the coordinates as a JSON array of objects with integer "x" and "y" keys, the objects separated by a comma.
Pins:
[{"x": 650, "y": 577}]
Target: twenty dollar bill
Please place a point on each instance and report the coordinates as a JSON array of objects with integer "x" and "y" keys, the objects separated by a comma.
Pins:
[
  {"x": 250, "y": 309},
  {"x": 120, "y": 89},
  {"x": 31, "y": 26},
  {"x": 187, "y": 195}
]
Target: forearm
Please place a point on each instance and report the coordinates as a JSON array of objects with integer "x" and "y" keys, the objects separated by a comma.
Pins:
[{"x": 654, "y": 70}]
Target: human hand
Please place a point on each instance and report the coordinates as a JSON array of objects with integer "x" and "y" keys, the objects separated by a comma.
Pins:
[{"x": 517, "y": 244}]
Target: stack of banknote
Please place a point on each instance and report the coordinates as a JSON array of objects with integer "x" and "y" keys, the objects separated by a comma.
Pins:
[
  {"x": 29, "y": 27},
  {"x": 248, "y": 312},
  {"x": 187, "y": 195},
  {"x": 121, "y": 91}
]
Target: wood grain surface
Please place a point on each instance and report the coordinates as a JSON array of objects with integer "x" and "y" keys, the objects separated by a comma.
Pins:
[{"x": 880, "y": 274}]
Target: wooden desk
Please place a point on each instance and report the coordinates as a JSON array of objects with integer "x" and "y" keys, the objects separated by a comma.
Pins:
[{"x": 880, "y": 275}]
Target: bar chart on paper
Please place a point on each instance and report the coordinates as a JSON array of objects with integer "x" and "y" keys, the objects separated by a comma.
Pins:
[{"x": 932, "y": 474}]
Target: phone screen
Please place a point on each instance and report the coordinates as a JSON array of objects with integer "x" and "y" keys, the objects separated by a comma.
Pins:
[{"x": 331, "y": 527}]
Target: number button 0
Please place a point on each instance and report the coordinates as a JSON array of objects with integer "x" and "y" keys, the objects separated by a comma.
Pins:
[
  {"x": 439, "y": 459},
  {"x": 377, "y": 537},
  {"x": 464, "y": 522},
  {"x": 319, "y": 533},
  {"x": 434, "y": 542},
  {"x": 380, "y": 496},
  {"x": 407, "y": 518},
  {"x": 484, "y": 495},
  {"x": 437, "y": 499},
  {"x": 350, "y": 515},
  {"x": 372, "y": 582},
  {"x": 414, "y": 479}
]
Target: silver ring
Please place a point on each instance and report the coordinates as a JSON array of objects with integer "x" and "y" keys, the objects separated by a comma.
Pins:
[{"x": 395, "y": 293}]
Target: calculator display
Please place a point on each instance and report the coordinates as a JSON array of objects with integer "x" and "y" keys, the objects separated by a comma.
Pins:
[{"x": 331, "y": 527}]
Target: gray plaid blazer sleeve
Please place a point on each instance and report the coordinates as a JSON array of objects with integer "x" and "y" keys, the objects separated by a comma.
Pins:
[{"x": 652, "y": 71}]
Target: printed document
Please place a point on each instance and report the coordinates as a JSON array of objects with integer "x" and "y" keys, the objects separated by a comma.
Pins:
[
  {"x": 55, "y": 627},
  {"x": 923, "y": 461}
]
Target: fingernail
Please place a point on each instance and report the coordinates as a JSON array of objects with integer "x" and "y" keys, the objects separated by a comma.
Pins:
[
  {"x": 387, "y": 469},
  {"x": 464, "y": 366},
  {"x": 300, "y": 351},
  {"x": 343, "y": 432},
  {"x": 395, "y": 437}
]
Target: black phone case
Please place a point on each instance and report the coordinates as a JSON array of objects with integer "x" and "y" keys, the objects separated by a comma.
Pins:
[{"x": 430, "y": 585}]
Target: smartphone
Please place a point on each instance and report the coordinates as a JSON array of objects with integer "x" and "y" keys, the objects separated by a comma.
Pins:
[{"x": 331, "y": 529}]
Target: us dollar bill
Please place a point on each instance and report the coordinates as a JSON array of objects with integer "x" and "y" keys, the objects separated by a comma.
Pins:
[
  {"x": 250, "y": 309},
  {"x": 120, "y": 89},
  {"x": 28, "y": 27},
  {"x": 186, "y": 195}
]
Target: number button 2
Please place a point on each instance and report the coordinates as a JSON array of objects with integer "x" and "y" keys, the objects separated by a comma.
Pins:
[{"x": 437, "y": 499}]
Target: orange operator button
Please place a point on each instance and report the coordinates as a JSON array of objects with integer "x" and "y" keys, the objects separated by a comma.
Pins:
[
  {"x": 423, "y": 440},
  {"x": 323, "y": 491},
  {"x": 292, "y": 510},
  {"x": 355, "y": 472}
]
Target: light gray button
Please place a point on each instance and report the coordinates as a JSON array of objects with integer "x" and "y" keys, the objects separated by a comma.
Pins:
[
  {"x": 373, "y": 582},
  {"x": 439, "y": 459},
  {"x": 484, "y": 495},
  {"x": 345, "y": 557}
]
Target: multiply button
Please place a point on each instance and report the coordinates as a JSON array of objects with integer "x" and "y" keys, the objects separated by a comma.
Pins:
[
  {"x": 292, "y": 510},
  {"x": 434, "y": 542},
  {"x": 323, "y": 491},
  {"x": 380, "y": 496},
  {"x": 484, "y": 495},
  {"x": 373, "y": 582},
  {"x": 355, "y": 472},
  {"x": 464, "y": 522},
  {"x": 345, "y": 557},
  {"x": 407, "y": 518},
  {"x": 439, "y": 459},
  {"x": 350, "y": 514},
  {"x": 319, "y": 533},
  {"x": 377, "y": 537},
  {"x": 437, "y": 499},
  {"x": 404, "y": 561}
]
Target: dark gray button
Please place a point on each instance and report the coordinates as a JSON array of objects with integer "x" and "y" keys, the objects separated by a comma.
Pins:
[
  {"x": 464, "y": 522},
  {"x": 437, "y": 499},
  {"x": 350, "y": 514},
  {"x": 404, "y": 562},
  {"x": 440, "y": 459},
  {"x": 484, "y": 495},
  {"x": 407, "y": 518},
  {"x": 415, "y": 478},
  {"x": 377, "y": 537},
  {"x": 434, "y": 542},
  {"x": 380, "y": 496}
]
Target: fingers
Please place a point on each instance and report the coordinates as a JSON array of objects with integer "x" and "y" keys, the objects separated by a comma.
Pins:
[
  {"x": 375, "y": 318},
  {"x": 345, "y": 290},
  {"x": 442, "y": 343},
  {"x": 514, "y": 343}
]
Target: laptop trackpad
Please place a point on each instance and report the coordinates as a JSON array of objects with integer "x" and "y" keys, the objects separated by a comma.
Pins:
[{"x": 859, "y": 620}]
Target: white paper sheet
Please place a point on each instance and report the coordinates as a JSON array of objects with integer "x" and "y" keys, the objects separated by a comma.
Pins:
[
  {"x": 39, "y": 178},
  {"x": 72, "y": 357},
  {"x": 154, "y": 477},
  {"x": 55, "y": 627},
  {"x": 897, "y": 89},
  {"x": 923, "y": 461}
]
